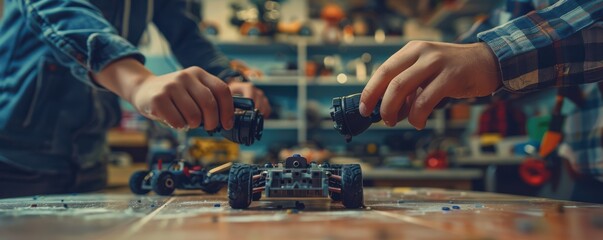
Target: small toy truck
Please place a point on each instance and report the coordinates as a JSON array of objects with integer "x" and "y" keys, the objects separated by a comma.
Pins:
[
  {"x": 164, "y": 178},
  {"x": 295, "y": 179}
]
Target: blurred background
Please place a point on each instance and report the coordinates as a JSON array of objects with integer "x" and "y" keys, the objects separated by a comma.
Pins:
[{"x": 304, "y": 53}]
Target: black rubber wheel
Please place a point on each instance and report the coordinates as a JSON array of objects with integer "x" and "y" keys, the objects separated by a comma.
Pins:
[
  {"x": 163, "y": 183},
  {"x": 239, "y": 186},
  {"x": 335, "y": 196},
  {"x": 215, "y": 183},
  {"x": 256, "y": 196},
  {"x": 352, "y": 195},
  {"x": 136, "y": 181},
  {"x": 212, "y": 188}
]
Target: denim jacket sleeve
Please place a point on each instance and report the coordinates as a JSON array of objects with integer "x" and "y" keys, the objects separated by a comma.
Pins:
[
  {"x": 187, "y": 42},
  {"x": 78, "y": 35}
]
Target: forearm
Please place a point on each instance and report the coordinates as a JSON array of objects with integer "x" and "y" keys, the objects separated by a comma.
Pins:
[{"x": 123, "y": 77}]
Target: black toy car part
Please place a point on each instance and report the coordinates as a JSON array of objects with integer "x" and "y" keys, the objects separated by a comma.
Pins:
[
  {"x": 295, "y": 179},
  {"x": 347, "y": 119},
  {"x": 248, "y": 124}
]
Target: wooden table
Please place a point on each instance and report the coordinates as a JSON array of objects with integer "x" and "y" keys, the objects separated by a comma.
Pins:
[
  {"x": 399, "y": 213},
  {"x": 459, "y": 179}
]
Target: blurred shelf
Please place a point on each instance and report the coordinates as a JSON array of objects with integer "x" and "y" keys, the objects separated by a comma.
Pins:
[
  {"x": 445, "y": 15},
  {"x": 350, "y": 81},
  {"x": 117, "y": 138},
  {"x": 256, "y": 47},
  {"x": 276, "y": 81},
  {"x": 313, "y": 42},
  {"x": 489, "y": 160},
  {"x": 456, "y": 124},
  {"x": 277, "y": 56},
  {"x": 310, "y": 81},
  {"x": 422, "y": 174},
  {"x": 328, "y": 124},
  {"x": 249, "y": 41},
  {"x": 364, "y": 41},
  {"x": 280, "y": 124}
]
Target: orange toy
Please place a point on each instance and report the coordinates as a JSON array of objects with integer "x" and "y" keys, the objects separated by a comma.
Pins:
[{"x": 332, "y": 13}]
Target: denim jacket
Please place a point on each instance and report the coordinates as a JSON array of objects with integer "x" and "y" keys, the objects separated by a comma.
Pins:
[{"x": 53, "y": 117}]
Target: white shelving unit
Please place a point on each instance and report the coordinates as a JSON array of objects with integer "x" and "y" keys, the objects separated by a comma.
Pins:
[
  {"x": 276, "y": 81},
  {"x": 431, "y": 124},
  {"x": 280, "y": 124},
  {"x": 301, "y": 47}
]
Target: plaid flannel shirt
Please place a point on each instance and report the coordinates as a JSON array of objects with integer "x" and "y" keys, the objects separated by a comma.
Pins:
[{"x": 559, "y": 44}]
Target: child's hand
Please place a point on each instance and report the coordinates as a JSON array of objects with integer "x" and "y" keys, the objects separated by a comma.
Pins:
[{"x": 416, "y": 78}]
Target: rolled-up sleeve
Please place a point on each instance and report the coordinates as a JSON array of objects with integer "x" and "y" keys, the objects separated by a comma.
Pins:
[
  {"x": 560, "y": 45},
  {"x": 78, "y": 34}
]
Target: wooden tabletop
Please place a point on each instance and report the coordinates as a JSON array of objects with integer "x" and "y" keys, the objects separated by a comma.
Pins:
[
  {"x": 399, "y": 213},
  {"x": 423, "y": 174}
]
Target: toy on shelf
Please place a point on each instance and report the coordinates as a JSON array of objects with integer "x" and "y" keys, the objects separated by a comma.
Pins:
[
  {"x": 263, "y": 18},
  {"x": 295, "y": 179},
  {"x": 332, "y": 14}
]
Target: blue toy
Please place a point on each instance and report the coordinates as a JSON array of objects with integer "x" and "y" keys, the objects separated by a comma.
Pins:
[{"x": 163, "y": 177}]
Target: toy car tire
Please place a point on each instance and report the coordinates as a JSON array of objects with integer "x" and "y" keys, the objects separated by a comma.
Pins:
[
  {"x": 256, "y": 196},
  {"x": 335, "y": 196},
  {"x": 211, "y": 188},
  {"x": 136, "y": 181},
  {"x": 240, "y": 186},
  {"x": 352, "y": 194},
  {"x": 163, "y": 183}
]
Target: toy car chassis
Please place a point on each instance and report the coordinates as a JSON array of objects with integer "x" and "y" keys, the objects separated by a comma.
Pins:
[
  {"x": 163, "y": 180},
  {"x": 295, "y": 179}
]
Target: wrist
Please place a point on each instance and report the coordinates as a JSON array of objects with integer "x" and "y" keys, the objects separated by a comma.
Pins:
[
  {"x": 135, "y": 82},
  {"x": 492, "y": 64},
  {"x": 123, "y": 77}
]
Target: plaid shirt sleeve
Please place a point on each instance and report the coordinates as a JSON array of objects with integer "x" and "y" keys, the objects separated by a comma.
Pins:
[{"x": 557, "y": 46}]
